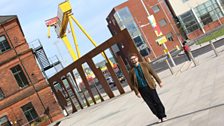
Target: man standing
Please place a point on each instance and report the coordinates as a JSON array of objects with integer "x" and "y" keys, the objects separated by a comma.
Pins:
[{"x": 142, "y": 78}]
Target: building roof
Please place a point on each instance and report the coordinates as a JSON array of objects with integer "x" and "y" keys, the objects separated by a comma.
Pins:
[{"x": 4, "y": 19}]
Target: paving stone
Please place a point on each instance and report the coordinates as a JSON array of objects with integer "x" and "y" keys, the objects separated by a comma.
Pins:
[{"x": 193, "y": 97}]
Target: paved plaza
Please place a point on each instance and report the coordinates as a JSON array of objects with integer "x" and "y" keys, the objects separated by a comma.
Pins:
[{"x": 193, "y": 96}]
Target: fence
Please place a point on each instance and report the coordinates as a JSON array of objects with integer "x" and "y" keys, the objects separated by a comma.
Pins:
[{"x": 67, "y": 79}]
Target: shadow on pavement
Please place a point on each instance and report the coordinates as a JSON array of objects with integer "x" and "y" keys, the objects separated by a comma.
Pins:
[
  {"x": 160, "y": 65},
  {"x": 187, "y": 114}
]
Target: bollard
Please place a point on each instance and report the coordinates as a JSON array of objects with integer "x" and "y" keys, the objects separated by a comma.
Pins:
[
  {"x": 213, "y": 47},
  {"x": 177, "y": 47},
  {"x": 168, "y": 53},
  {"x": 192, "y": 58},
  {"x": 97, "y": 90},
  {"x": 171, "y": 70}
]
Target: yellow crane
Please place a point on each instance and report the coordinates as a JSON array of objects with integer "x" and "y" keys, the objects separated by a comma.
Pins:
[{"x": 60, "y": 24}]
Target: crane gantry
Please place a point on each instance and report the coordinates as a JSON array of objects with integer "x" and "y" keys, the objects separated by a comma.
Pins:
[{"x": 60, "y": 23}]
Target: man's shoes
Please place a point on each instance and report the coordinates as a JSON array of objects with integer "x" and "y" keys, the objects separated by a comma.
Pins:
[
  {"x": 163, "y": 119},
  {"x": 159, "y": 121}
]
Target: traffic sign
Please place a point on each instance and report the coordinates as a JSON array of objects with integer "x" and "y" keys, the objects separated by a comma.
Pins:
[{"x": 161, "y": 40}]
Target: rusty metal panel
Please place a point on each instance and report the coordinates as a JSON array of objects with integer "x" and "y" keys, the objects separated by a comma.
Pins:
[
  {"x": 61, "y": 99},
  {"x": 124, "y": 70},
  {"x": 123, "y": 37},
  {"x": 128, "y": 46},
  {"x": 113, "y": 75},
  {"x": 73, "y": 106},
  {"x": 84, "y": 79},
  {"x": 101, "y": 78},
  {"x": 87, "y": 102},
  {"x": 73, "y": 91}
]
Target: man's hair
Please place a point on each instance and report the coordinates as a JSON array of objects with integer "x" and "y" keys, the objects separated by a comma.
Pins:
[
  {"x": 132, "y": 54},
  {"x": 185, "y": 42}
]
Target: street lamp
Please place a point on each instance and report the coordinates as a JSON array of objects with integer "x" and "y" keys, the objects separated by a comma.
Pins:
[
  {"x": 178, "y": 37},
  {"x": 164, "y": 45}
]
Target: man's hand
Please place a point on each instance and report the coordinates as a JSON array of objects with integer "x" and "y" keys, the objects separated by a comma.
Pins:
[
  {"x": 138, "y": 95},
  {"x": 160, "y": 85}
]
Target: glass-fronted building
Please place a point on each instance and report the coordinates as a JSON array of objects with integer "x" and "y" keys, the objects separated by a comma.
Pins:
[
  {"x": 133, "y": 16},
  {"x": 124, "y": 20},
  {"x": 196, "y": 14}
]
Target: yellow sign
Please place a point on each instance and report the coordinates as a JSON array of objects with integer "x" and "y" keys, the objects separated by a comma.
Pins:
[
  {"x": 177, "y": 47},
  {"x": 165, "y": 51},
  {"x": 161, "y": 40}
]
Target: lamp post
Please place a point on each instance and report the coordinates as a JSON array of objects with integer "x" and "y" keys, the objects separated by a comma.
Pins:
[
  {"x": 178, "y": 37},
  {"x": 164, "y": 45}
]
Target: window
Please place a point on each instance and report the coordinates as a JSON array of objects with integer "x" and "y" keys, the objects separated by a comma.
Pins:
[
  {"x": 208, "y": 11},
  {"x": 155, "y": 8},
  {"x": 222, "y": 3},
  {"x": 189, "y": 22},
  {"x": 1, "y": 94},
  {"x": 4, "y": 45},
  {"x": 206, "y": 19},
  {"x": 162, "y": 22},
  {"x": 126, "y": 20},
  {"x": 125, "y": 14},
  {"x": 4, "y": 121},
  {"x": 145, "y": 52},
  {"x": 19, "y": 76},
  {"x": 138, "y": 41},
  {"x": 119, "y": 21},
  {"x": 29, "y": 112},
  {"x": 132, "y": 28},
  {"x": 169, "y": 36}
]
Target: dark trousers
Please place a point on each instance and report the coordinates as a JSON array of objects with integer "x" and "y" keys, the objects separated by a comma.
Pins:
[
  {"x": 188, "y": 55},
  {"x": 151, "y": 98}
]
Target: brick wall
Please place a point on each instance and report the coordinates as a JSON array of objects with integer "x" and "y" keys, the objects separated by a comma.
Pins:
[
  {"x": 140, "y": 17},
  {"x": 207, "y": 28},
  {"x": 15, "y": 113},
  {"x": 15, "y": 96}
]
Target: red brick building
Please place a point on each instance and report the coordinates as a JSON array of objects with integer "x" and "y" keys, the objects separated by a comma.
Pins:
[
  {"x": 134, "y": 16},
  {"x": 24, "y": 93}
]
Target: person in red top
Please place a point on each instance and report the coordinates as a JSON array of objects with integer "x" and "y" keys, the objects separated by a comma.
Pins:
[{"x": 187, "y": 50}]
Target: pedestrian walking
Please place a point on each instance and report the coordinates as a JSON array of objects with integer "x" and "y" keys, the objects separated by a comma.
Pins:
[
  {"x": 143, "y": 79},
  {"x": 187, "y": 50}
]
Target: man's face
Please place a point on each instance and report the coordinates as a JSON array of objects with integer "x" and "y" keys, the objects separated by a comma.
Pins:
[{"x": 134, "y": 60}]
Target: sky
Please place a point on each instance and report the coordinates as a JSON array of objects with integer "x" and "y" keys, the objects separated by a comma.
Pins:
[{"x": 91, "y": 14}]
